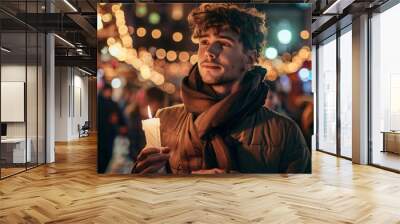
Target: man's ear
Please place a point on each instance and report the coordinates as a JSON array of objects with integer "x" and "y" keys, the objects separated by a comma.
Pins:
[{"x": 251, "y": 58}]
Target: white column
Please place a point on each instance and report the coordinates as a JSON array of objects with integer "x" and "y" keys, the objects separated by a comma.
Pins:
[
  {"x": 360, "y": 90},
  {"x": 50, "y": 93},
  {"x": 50, "y": 99},
  {"x": 314, "y": 91}
]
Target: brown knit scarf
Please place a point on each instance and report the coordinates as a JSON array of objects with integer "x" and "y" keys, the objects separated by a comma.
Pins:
[{"x": 205, "y": 142}]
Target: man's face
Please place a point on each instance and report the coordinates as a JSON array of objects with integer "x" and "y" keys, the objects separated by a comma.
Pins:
[
  {"x": 107, "y": 93},
  {"x": 222, "y": 58},
  {"x": 272, "y": 100}
]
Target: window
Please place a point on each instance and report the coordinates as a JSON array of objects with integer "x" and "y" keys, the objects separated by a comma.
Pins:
[
  {"x": 385, "y": 89},
  {"x": 327, "y": 96},
  {"x": 346, "y": 93}
]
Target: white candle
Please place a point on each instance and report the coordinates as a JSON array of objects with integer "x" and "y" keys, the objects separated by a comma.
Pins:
[{"x": 151, "y": 128}]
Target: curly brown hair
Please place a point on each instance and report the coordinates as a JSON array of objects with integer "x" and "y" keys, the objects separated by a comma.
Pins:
[{"x": 249, "y": 23}]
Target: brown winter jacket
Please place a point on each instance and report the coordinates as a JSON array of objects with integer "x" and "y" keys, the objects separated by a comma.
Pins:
[{"x": 266, "y": 142}]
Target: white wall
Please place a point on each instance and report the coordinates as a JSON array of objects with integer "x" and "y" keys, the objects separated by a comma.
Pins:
[
  {"x": 33, "y": 127},
  {"x": 71, "y": 94},
  {"x": 12, "y": 73},
  {"x": 61, "y": 103}
]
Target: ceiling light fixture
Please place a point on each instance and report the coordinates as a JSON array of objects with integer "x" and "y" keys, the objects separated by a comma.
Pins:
[
  {"x": 70, "y": 5},
  {"x": 64, "y": 40},
  {"x": 84, "y": 71},
  {"x": 337, "y": 7},
  {"x": 5, "y": 49}
]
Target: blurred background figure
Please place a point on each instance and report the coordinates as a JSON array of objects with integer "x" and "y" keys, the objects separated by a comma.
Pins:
[
  {"x": 121, "y": 161},
  {"x": 273, "y": 100},
  {"x": 110, "y": 120}
]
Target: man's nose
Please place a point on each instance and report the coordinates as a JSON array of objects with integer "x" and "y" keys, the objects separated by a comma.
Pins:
[{"x": 213, "y": 50}]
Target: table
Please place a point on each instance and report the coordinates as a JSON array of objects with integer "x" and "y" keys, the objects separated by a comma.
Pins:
[
  {"x": 13, "y": 150},
  {"x": 391, "y": 141}
]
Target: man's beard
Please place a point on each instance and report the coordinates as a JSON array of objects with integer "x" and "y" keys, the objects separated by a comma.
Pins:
[{"x": 227, "y": 79}]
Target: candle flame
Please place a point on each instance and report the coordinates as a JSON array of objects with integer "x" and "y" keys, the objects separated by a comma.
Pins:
[{"x": 149, "y": 112}]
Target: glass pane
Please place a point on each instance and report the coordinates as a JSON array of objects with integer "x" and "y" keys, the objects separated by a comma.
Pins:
[
  {"x": 385, "y": 89},
  {"x": 327, "y": 96},
  {"x": 346, "y": 94},
  {"x": 31, "y": 97},
  {"x": 14, "y": 152},
  {"x": 41, "y": 99}
]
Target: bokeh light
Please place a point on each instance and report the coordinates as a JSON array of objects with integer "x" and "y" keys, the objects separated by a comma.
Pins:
[
  {"x": 305, "y": 35},
  {"x": 116, "y": 83},
  {"x": 272, "y": 75},
  {"x": 104, "y": 50},
  {"x": 195, "y": 40},
  {"x": 284, "y": 36},
  {"x": 154, "y": 18},
  {"x": 141, "y": 32},
  {"x": 304, "y": 74},
  {"x": 171, "y": 55},
  {"x": 193, "y": 59},
  {"x": 271, "y": 53},
  {"x": 127, "y": 41},
  {"x": 110, "y": 41},
  {"x": 177, "y": 36},
  {"x": 177, "y": 11},
  {"x": 122, "y": 30},
  {"x": 161, "y": 53},
  {"x": 106, "y": 17},
  {"x": 184, "y": 56},
  {"x": 115, "y": 8},
  {"x": 145, "y": 72},
  {"x": 99, "y": 23},
  {"x": 141, "y": 10},
  {"x": 156, "y": 33}
]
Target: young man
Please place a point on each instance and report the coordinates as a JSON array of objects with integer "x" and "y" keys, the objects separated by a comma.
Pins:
[{"x": 222, "y": 125}]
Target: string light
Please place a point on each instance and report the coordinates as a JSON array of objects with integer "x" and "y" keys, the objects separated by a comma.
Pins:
[
  {"x": 305, "y": 35},
  {"x": 122, "y": 30},
  {"x": 193, "y": 59},
  {"x": 106, "y": 17},
  {"x": 141, "y": 32},
  {"x": 195, "y": 40},
  {"x": 177, "y": 36},
  {"x": 110, "y": 41},
  {"x": 127, "y": 41},
  {"x": 156, "y": 33},
  {"x": 145, "y": 72},
  {"x": 171, "y": 55},
  {"x": 115, "y": 7},
  {"x": 184, "y": 56},
  {"x": 161, "y": 53}
]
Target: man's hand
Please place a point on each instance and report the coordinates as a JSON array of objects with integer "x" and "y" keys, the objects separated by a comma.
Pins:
[{"x": 152, "y": 159}]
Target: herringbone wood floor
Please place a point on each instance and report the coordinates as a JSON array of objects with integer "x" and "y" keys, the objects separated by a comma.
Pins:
[{"x": 70, "y": 191}]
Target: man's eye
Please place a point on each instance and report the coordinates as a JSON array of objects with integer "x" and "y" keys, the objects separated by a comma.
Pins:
[{"x": 203, "y": 42}]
